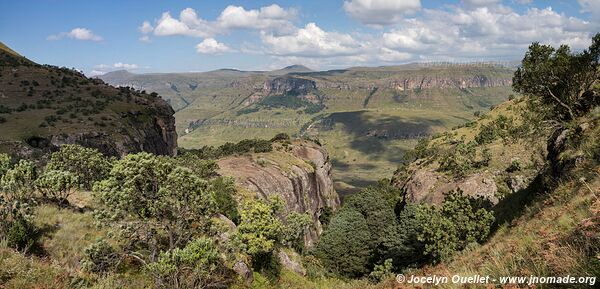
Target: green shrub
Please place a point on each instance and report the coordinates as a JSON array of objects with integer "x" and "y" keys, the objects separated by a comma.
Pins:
[
  {"x": 382, "y": 272},
  {"x": 57, "y": 185},
  {"x": 16, "y": 223},
  {"x": 224, "y": 188},
  {"x": 99, "y": 257},
  {"x": 197, "y": 265},
  {"x": 514, "y": 166},
  {"x": 89, "y": 165},
  {"x": 260, "y": 230},
  {"x": 18, "y": 182},
  {"x": 293, "y": 230},
  {"x": 460, "y": 221}
]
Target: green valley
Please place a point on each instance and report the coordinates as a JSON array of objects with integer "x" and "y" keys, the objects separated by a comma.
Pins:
[{"x": 365, "y": 117}]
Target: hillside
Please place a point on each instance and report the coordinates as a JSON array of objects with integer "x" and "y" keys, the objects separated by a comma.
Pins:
[
  {"x": 42, "y": 107},
  {"x": 355, "y": 112},
  {"x": 544, "y": 186}
]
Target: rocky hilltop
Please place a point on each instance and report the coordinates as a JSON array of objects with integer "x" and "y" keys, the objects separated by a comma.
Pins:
[
  {"x": 42, "y": 107},
  {"x": 299, "y": 173}
]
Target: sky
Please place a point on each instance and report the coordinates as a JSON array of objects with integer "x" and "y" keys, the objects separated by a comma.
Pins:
[{"x": 201, "y": 35}]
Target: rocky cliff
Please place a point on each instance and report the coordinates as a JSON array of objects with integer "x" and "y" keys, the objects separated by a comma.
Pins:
[
  {"x": 42, "y": 107},
  {"x": 299, "y": 173},
  {"x": 493, "y": 170}
]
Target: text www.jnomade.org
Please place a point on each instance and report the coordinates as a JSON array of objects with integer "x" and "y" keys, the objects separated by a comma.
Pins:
[{"x": 486, "y": 279}]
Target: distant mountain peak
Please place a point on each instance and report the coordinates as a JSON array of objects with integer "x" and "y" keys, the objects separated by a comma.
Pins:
[{"x": 297, "y": 67}]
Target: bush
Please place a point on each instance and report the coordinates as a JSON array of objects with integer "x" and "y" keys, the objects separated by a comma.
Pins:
[
  {"x": 382, "y": 271},
  {"x": 224, "y": 188},
  {"x": 18, "y": 182},
  {"x": 99, "y": 257},
  {"x": 154, "y": 203},
  {"x": 514, "y": 166},
  {"x": 460, "y": 221},
  {"x": 293, "y": 231},
  {"x": 197, "y": 265},
  {"x": 89, "y": 165},
  {"x": 16, "y": 223},
  {"x": 57, "y": 185},
  {"x": 260, "y": 230},
  {"x": 4, "y": 164}
]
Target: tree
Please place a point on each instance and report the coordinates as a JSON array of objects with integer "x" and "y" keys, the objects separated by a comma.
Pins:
[
  {"x": 197, "y": 265},
  {"x": 57, "y": 185},
  {"x": 89, "y": 165},
  {"x": 18, "y": 182},
  {"x": 375, "y": 208},
  {"x": 345, "y": 247},
  {"x": 260, "y": 230},
  {"x": 559, "y": 78},
  {"x": 158, "y": 205},
  {"x": 224, "y": 188}
]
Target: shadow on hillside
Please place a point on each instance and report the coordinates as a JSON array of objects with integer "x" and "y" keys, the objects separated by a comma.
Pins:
[
  {"x": 515, "y": 205},
  {"x": 370, "y": 134}
]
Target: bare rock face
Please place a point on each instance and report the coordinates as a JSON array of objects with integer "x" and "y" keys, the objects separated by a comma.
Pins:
[
  {"x": 290, "y": 264},
  {"x": 289, "y": 85},
  {"x": 300, "y": 175},
  {"x": 156, "y": 135},
  {"x": 429, "y": 186}
]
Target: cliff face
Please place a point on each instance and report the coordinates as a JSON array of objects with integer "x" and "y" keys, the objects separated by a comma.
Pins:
[
  {"x": 289, "y": 85},
  {"x": 300, "y": 175},
  {"x": 43, "y": 107}
]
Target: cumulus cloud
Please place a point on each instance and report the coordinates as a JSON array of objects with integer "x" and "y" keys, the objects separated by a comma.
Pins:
[
  {"x": 311, "y": 41},
  {"x": 479, "y": 3},
  {"x": 380, "y": 12},
  {"x": 78, "y": 34},
  {"x": 590, "y": 6},
  {"x": 271, "y": 18},
  {"x": 212, "y": 46},
  {"x": 484, "y": 32}
]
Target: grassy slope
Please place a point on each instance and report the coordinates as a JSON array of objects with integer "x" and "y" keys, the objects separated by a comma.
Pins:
[
  {"x": 34, "y": 92},
  {"x": 543, "y": 231}
]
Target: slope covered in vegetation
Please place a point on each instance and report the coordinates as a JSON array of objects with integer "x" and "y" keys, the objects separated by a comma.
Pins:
[{"x": 43, "y": 106}]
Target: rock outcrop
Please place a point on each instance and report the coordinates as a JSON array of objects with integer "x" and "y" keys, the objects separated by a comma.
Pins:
[
  {"x": 289, "y": 85},
  {"x": 300, "y": 175},
  {"x": 429, "y": 186}
]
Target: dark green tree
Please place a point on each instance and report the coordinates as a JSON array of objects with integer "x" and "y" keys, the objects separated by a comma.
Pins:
[
  {"x": 345, "y": 247},
  {"x": 560, "y": 79}
]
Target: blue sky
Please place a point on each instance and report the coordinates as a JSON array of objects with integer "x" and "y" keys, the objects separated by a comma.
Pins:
[{"x": 201, "y": 35}]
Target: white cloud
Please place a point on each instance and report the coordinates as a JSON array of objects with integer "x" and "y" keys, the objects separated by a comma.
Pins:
[
  {"x": 77, "y": 33},
  {"x": 268, "y": 18},
  {"x": 479, "y": 3},
  {"x": 188, "y": 24},
  {"x": 146, "y": 27},
  {"x": 212, "y": 46},
  {"x": 311, "y": 41},
  {"x": 590, "y": 6},
  {"x": 101, "y": 69},
  {"x": 484, "y": 33},
  {"x": 380, "y": 12},
  {"x": 125, "y": 66}
]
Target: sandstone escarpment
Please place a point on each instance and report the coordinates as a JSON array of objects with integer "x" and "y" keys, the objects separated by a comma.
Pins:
[
  {"x": 300, "y": 175},
  {"x": 289, "y": 85}
]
